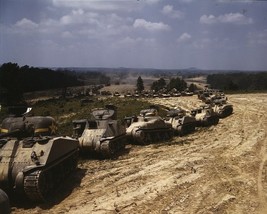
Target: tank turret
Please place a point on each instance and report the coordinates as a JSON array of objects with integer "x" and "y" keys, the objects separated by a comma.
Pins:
[
  {"x": 33, "y": 160},
  {"x": 148, "y": 127},
  {"x": 103, "y": 135}
]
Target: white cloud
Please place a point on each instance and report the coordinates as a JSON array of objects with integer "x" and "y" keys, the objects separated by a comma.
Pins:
[
  {"x": 186, "y": 1},
  {"x": 184, "y": 38},
  {"x": 232, "y": 18},
  {"x": 132, "y": 42},
  {"x": 26, "y": 24},
  {"x": 150, "y": 26},
  {"x": 208, "y": 19},
  {"x": 105, "y": 5},
  {"x": 79, "y": 17},
  {"x": 169, "y": 11},
  {"x": 150, "y": 1}
]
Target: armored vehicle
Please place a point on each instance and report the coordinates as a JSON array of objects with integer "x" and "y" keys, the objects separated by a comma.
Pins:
[
  {"x": 33, "y": 161},
  {"x": 205, "y": 116},
  {"x": 181, "y": 122},
  {"x": 222, "y": 108},
  {"x": 148, "y": 127},
  {"x": 104, "y": 135},
  {"x": 4, "y": 203}
]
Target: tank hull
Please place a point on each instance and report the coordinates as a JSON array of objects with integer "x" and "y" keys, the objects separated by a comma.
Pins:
[
  {"x": 34, "y": 167},
  {"x": 149, "y": 130},
  {"x": 183, "y": 126}
]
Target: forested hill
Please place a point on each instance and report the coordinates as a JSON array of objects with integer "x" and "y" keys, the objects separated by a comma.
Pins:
[
  {"x": 241, "y": 81},
  {"x": 15, "y": 80}
]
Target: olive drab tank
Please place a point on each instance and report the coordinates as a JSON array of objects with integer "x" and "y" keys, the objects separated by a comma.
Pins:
[
  {"x": 205, "y": 116},
  {"x": 103, "y": 136},
  {"x": 181, "y": 122},
  {"x": 148, "y": 127},
  {"x": 33, "y": 161},
  {"x": 4, "y": 203}
]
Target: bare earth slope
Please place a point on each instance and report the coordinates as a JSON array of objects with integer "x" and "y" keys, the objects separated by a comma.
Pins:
[{"x": 221, "y": 169}]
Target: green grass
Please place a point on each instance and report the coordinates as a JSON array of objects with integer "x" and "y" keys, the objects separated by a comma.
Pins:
[{"x": 65, "y": 111}]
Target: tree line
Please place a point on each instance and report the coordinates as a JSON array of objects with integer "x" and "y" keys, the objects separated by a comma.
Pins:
[
  {"x": 240, "y": 81},
  {"x": 16, "y": 80}
]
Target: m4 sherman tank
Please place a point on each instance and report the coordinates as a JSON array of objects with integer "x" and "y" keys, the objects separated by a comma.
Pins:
[
  {"x": 181, "y": 122},
  {"x": 4, "y": 203},
  {"x": 222, "y": 108},
  {"x": 33, "y": 161},
  {"x": 103, "y": 136},
  {"x": 205, "y": 116},
  {"x": 148, "y": 127}
]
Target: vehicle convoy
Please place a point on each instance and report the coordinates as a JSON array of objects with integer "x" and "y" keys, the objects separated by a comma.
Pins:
[
  {"x": 33, "y": 160},
  {"x": 4, "y": 203},
  {"x": 103, "y": 136},
  {"x": 148, "y": 127},
  {"x": 205, "y": 116},
  {"x": 222, "y": 108},
  {"x": 181, "y": 122}
]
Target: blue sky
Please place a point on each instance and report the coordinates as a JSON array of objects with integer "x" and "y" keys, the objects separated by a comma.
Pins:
[{"x": 167, "y": 34}]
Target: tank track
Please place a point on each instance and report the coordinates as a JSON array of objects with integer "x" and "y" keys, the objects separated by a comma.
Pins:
[
  {"x": 185, "y": 129},
  {"x": 41, "y": 183},
  {"x": 109, "y": 148},
  {"x": 145, "y": 137}
]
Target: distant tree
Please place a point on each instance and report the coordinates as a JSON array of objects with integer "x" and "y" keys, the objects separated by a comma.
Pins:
[
  {"x": 192, "y": 87},
  {"x": 10, "y": 82},
  {"x": 158, "y": 85},
  {"x": 177, "y": 83},
  {"x": 139, "y": 84}
]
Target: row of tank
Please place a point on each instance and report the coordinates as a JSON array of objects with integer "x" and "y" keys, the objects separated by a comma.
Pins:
[{"x": 34, "y": 161}]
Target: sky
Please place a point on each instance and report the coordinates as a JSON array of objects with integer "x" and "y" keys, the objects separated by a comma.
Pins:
[{"x": 160, "y": 34}]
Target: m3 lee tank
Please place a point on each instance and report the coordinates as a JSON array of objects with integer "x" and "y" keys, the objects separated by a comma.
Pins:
[
  {"x": 33, "y": 161},
  {"x": 103, "y": 136},
  {"x": 181, "y": 122},
  {"x": 222, "y": 108},
  {"x": 148, "y": 127},
  {"x": 205, "y": 116}
]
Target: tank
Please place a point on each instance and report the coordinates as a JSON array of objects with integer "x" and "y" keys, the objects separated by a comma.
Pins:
[
  {"x": 205, "y": 116},
  {"x": 222, "y": 108},
  {"x": 33, "y": 160},
  {"x": 102, "y": 136},
  {"x": 181, "y": 122},
  {"x": 148, "y": 127},
  {"x": 4, "y": 203}
]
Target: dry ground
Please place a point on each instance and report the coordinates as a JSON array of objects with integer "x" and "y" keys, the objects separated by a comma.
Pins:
[{"x": 221, "y": 169}]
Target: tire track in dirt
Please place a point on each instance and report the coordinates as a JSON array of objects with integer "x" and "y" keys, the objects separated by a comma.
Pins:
[{"x": 220, "y": 169}]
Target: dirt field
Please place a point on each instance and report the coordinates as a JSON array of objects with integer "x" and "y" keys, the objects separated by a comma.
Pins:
[{"x": 221, "y": 169}]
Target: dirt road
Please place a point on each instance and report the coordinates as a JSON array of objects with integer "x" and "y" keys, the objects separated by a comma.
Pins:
[{"x": 220, "y": 169}]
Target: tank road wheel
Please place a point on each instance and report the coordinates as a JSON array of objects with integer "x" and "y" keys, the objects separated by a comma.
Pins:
[
  {"x": 36, "y": 186},
  {"x": 107, "y": 149},
  {"x": 4, "y": 203}
]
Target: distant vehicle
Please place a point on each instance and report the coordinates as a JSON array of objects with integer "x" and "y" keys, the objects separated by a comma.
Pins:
[
  {"x": 148, "y": 127},
  {"x": 103, "y": 136}
]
